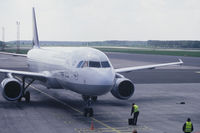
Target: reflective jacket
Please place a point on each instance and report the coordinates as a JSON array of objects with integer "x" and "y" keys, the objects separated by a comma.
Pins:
[
  {"x": 188, "y": 127},
  {"x": 135, "y": 108}
]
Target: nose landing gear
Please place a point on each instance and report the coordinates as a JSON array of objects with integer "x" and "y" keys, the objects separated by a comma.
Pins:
[{"x": 88, "y": 111}]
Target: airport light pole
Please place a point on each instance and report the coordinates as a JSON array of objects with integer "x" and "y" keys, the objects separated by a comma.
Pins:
[
  {"x": 18, "y": 36},
  {"x": 3, "y": 38}
]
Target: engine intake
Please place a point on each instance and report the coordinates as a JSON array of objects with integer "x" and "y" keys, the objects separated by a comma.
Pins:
[
  {"x": 123, "y": 89},
  {"x": 11, "y": 89}
]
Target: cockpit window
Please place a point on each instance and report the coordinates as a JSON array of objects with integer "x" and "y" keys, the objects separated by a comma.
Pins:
[
  {"x": 79, "y": 64},
  {"x": 105, "y": 64},
  {"x": 85, "y": 64},
  {"x": 94, "y": 64}
]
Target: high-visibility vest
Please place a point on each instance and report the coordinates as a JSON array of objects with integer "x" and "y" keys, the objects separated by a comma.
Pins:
[
  {"x": 136, "y": 108},
  {"x": 188, "y": 127}
]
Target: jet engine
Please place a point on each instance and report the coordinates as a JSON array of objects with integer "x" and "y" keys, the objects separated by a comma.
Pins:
[
  {"x": 123, "y": 88},
  {"x": 11, "y": 89}
]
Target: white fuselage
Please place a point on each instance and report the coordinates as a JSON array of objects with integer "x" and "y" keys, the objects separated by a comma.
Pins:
[{"x": 84, "y": 70}]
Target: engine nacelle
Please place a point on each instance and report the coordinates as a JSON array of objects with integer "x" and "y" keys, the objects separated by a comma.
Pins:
[
  {"x": 11, "y": 89},
  {"x": 123, "y": 88}
]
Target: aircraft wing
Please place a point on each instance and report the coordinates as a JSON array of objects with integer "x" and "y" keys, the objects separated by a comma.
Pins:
[
  {"x": 33, "y": 75},
  {"x": 13, "y": 54},
  {"x": 129, "y": 69}
]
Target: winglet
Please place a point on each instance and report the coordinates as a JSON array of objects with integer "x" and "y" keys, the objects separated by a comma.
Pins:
[
  {"x": 181, "y": 62},
  {"x": 35, "y": 32}
]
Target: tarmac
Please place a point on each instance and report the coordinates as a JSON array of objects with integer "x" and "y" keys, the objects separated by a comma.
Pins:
[{"x": 159, "y": 94}]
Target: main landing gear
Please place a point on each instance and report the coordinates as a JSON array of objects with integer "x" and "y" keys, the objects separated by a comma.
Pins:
[
  {"x": 88, "y": 111},
  {"x": 25, "y": 94}
]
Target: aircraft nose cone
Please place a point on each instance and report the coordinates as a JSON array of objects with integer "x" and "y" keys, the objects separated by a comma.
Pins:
[
  {"x": 101, "y": 82},
  {"x": 106, "y": 78},
  {"x": 107, "y": 81}
]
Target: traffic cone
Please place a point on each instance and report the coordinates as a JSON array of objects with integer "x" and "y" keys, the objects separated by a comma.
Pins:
[{"x": 92, "y": 126}]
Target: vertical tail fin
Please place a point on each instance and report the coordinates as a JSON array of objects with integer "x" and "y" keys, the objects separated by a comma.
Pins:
[{"x": 35, "y": 32}]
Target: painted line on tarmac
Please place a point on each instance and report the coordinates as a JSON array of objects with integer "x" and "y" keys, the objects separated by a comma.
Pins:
[{"x": 69, "y": 106}]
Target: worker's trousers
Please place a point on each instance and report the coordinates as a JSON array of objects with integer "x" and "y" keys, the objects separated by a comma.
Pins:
[{"x": 135, "y": 117}]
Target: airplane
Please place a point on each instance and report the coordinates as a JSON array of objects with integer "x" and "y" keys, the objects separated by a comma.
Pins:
[{"x": 84, "y": 70}]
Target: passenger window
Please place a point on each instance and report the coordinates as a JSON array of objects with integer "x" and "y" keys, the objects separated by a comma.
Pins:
[
  {"x": 105, "y": 64},
  {"x": 94, "y": 64}
]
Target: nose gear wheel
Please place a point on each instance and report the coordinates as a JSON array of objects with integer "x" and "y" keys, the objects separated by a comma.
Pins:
[{"x": 88, "y": 111}]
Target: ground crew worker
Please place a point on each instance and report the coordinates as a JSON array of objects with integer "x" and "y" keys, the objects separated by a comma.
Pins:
[
  {"x": 188, "y": 127},
  {"x": 135, "y": 110}
]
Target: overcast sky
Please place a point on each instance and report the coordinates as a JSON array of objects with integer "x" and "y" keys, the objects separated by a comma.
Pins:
[{"x": 91, "y": 20}]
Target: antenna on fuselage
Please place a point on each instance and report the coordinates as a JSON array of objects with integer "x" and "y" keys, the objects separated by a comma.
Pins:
[{"x": 35, "y": 32}]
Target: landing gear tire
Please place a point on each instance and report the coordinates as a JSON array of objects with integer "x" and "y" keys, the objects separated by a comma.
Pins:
[
  {"x": 88, "y": 112},
  {"x": 27, "y": 96},
  {"x": 85, "y": 112},
  {"x": 91, "y": 112}
]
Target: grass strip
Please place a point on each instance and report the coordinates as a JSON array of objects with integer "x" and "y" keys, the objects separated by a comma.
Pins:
[{"x": 151, "y": 51}]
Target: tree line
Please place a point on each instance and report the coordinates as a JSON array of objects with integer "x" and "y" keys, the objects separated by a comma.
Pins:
[
  {"x": 149, "y": 43},
  {"x": 173, "y": 44}
]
